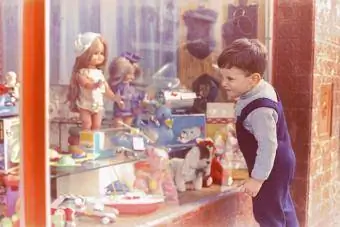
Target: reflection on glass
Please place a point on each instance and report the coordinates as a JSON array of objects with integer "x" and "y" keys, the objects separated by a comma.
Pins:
[
  {"x": 10, "y": 73},
  {"x": 140, "y": 76}
]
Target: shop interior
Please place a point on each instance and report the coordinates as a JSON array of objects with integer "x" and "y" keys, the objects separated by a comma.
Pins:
[{"x": 174, "y": 149}]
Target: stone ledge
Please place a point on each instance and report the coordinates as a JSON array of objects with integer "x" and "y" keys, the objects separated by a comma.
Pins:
[{"x": 208, "y": 208}]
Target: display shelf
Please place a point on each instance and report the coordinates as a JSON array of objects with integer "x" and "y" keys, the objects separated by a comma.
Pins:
[
  {"x": 190, "y": 201},
  {"x": 91, "y": 165}
]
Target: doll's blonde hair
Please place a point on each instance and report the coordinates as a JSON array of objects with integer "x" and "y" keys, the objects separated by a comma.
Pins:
[
  {"x": 83, "y": 62},
  {"x": 118, "y": 69}
]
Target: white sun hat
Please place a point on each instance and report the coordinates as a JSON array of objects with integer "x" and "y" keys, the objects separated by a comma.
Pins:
[{"x": 84, "y": 41}]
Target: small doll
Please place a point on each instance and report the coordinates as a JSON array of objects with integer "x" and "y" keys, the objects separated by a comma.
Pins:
[
  {"x": 88, "y": 85},
  {"x": 122, "y": 74},
  {"x": 11, "y": 82}
]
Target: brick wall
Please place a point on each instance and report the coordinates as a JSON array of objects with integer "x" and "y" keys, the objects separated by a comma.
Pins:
[
  {"x": 306, "y": 60},
  {"x": 292, "y": 77},
  {"x": 325, "y": 154}
]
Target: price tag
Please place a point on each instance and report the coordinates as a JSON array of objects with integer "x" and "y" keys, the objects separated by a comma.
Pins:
[{"x": 138, "y": 143}]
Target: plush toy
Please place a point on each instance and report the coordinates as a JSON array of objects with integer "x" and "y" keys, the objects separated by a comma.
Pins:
[
  {"x": 154, "y": 175},
  {"x": 195, "y": 167}
]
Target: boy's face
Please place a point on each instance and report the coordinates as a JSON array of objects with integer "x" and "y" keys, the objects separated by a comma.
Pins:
[{"x": 237, "y": 82}]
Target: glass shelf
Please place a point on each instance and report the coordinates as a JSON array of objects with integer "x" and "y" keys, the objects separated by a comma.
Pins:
[{"x": 90, "y": 165}]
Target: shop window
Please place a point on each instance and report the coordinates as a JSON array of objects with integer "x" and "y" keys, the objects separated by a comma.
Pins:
[
  {"x": 148, "y": 28},
  {"x": 10, "y": 36}
]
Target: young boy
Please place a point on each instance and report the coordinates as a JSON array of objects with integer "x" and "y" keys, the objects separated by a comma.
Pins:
[{"x": 261, "y": 132}]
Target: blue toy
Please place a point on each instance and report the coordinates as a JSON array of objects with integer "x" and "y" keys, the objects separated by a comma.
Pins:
[
  {"x": 159, "y": 126},
  {"x": 8, "y": 107}
]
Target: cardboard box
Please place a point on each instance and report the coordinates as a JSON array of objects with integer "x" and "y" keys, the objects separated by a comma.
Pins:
[
  {"x": 187, "y": 128},
  {"x": 9, "y": 143},
  {"x": 220, "y": 122}
]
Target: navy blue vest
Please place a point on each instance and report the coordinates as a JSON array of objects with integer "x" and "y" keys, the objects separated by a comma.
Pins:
[{"x": 284, "y": 163}]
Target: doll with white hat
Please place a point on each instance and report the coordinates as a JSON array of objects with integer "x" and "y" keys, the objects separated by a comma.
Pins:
[{"x": 88, "y": 85}]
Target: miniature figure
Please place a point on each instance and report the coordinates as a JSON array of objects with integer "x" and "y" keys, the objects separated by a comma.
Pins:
[
  {"x": 122, "y": 74},
  {"x": 73, "y": 143},
  {"x": 88, "y": 85},
  {"x": 11, "y": 82}
]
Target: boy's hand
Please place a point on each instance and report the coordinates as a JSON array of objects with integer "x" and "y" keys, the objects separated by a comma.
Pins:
[{"x": 251, "y": 187}]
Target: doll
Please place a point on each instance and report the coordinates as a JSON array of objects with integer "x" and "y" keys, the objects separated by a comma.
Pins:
[
  {"x": 88, "y": 85},
  {"x": 122, "y": 74},
  {"x": 11, "y": 82}
]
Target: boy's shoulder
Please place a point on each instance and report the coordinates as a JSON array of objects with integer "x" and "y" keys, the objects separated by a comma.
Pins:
[{"x": 265, "y": 90}]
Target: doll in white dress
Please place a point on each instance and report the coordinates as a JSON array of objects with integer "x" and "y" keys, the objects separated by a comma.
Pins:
[{"x": 88, "y": 85}]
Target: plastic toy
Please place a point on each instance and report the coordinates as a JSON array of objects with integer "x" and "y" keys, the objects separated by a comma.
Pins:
[
  {"x": 136, "y": 203},
  {"x": 67, "y": 207},
  {"x": 159, "y": 126}
]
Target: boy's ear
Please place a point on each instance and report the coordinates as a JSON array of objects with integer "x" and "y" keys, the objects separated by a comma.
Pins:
[{"x": 256, "y": 77}]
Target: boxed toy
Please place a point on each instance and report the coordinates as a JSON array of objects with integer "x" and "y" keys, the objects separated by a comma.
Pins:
[
  {"x": 218, "y": 116},
  {"x": 221, "y": 128},
  {"x": 187, "y": 128},
  {"x": 9, "y": 143}
]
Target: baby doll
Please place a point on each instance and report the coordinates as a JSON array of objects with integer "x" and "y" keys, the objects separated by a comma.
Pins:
[
  {"x": 122, "y": 74},
  {"x": 88, "y": 85}
]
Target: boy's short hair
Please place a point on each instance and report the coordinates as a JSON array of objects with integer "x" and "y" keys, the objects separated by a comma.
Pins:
[{"x": 249, "y": 55}]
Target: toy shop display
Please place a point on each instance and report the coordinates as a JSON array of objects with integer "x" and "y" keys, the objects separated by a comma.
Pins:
[
  {"x": 67, "y": 208},
  {"x": 11, "y": 215},
  {"x": 154, "y": 176},
  {"x": 9, "y": 95},
  {"x": 241, "y": 23},
  {"x": 9, "y": 143},
  {"x": 229, "y": 160}
]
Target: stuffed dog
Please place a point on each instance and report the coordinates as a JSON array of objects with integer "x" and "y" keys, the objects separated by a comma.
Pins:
[{"x": 193, "y": 168}]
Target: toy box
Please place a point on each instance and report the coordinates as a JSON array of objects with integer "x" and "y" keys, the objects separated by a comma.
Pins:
[
  {"x": 9, "y": 143},
  {"x": 221, "y": 128},
  {"x": 7, "y": 107},
  {"x": 218, "y": 116},
  {"x": 187, "y": 128}
]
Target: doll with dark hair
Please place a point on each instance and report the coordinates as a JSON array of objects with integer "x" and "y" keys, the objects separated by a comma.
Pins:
[{"x": 206, "y": 89}]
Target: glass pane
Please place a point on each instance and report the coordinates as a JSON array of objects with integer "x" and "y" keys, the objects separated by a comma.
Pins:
[
  {"x": 135, "y": 95},
  {"x": 10, "y": 74}
]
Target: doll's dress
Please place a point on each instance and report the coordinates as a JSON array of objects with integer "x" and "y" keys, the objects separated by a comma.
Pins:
[{"x": 92, "y": 99}]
